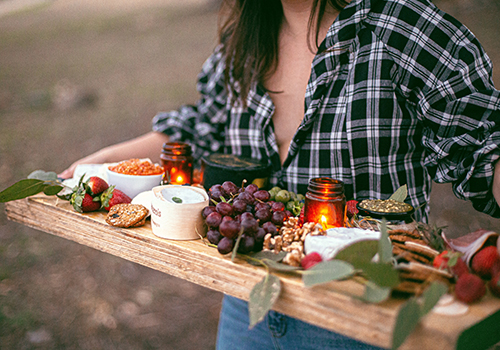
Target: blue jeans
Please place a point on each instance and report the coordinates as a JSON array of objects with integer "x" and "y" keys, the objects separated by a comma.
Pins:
[{"x": 276, "y": 331}]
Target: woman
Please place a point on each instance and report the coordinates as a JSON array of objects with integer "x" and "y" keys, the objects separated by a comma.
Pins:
[{"x": 376, "y": 93}]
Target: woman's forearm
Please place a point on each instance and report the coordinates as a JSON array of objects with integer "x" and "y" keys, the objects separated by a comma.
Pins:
[{"x": 145, "y": 146}]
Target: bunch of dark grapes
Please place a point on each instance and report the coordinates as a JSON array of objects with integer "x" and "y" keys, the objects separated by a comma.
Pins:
[{"x": 245, "y": 209}]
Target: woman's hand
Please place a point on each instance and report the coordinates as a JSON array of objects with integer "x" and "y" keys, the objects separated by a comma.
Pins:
[{"x": 145, "y": 146}]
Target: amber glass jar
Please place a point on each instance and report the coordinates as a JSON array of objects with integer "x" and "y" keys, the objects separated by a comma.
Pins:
[
  {"x": 177, "y": 161},
  {"x": 325, "y": 202}
]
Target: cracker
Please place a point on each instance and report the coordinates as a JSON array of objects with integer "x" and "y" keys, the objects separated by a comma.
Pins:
[{"x": 127, "y": 215}]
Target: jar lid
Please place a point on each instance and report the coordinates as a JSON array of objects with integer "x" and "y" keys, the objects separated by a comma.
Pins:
[
  {"x": 218, "y": 168},
  {"x": 177, "y": 148}
]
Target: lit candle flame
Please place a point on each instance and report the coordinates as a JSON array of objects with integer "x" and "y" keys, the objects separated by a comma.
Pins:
[
  {"x": 323, "y": 222},
  {"x": 180, "y": 179}
]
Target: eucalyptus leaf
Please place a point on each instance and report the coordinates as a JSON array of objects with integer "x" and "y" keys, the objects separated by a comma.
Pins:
[
  {"x": 406, "y": 321},
  {"x": 383, "y": 275},
  {"x": 375, "y": 293},
  {"x": 400, "y": 194},
  {"x": 52, "y": 190},
  {"x": 257, "y": 258},
  {"x": 362, "y": 251},
  {"x": 43, "y": 175},
  {"x": 262, "y": 297},
  {"x": 410, "y": 313},
  {"x": 384, "y": 244},
  {"x": 22, "y": 189},
  {"x": 431, "y": 296},
  {"x": 279, "y": 266},
  {"x": 327, "y": 271}
]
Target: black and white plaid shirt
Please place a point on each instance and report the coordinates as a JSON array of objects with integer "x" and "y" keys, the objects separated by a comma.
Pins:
[{"x": 400, "y": 93}]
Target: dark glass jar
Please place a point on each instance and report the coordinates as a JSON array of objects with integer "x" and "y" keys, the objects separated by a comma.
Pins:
[
  {"x": 177, "y": 162},
  {"x": 325, "y": 202}
]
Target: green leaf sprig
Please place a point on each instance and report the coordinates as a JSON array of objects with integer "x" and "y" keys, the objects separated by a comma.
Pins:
[{"x": 37, "y": 182}]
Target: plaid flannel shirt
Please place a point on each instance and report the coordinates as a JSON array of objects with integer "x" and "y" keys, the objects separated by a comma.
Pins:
[{"x": 399, "y": 93}]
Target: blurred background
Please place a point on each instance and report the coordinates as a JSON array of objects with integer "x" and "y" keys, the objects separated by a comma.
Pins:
[{"x": 78, "y": 75}]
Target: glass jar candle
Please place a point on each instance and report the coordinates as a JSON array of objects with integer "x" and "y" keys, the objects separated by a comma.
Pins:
[
  {"x": 325, "y": 202},
  {"x": 177, "y": 162}
]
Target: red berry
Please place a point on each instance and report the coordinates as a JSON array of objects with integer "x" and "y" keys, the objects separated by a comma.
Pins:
[
  {"x": 351, "y": 208},
  {"x": 89, "y": 204},
  {"x": 96, "y": 185},
  {"x": 441, "y": 261},
  {"x": 113, "y": 196},
  {"x": 469, "y": 288},
  {"x": 483, "y": 261},
  {"x": 310, "y": 260}
]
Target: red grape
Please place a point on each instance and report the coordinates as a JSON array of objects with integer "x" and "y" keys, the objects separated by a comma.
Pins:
[
  {"x": 229, "y": 188},
  {"x": 263, "y": 215},
  {"x": 213, "y": 220},
  {"x": 225, "y": 245},
  {"x": 278, "y": 218},
  {"x": 229, "y": 228},
  {"x": 278, "y": 206},
  {"x": 239, "y": 206},
  {"x": 269, "y": 227},
  {"x": 224, "y": 208},
  {"x": 207, "y": 211},
  {"x": 262, "y": 195},
  {"x": 214, "y": 236},
  {"x": 247, "y": 244},
  {"x": 251, "y": 188}
]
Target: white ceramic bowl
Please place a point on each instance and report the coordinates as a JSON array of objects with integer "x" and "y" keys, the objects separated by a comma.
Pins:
[{"x": 132, "y": 185}]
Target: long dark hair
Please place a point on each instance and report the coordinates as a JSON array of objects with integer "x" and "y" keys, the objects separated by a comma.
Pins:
[{"x": 249, "y": 30}]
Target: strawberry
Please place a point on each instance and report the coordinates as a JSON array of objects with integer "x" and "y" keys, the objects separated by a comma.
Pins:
[
  {"x": 452, "y": 261},
  {"x": 483, "y": 261},
  {"x": 310, "y": 260},
  {"x": 95, "y": 185},
  {"x": 470, "y": 288},
  {"x": 84, "y": 202},
  {"x": 113, "y": 196},
  {"x": 351, "y": 208},
  {"x": 441, "y": 261}
]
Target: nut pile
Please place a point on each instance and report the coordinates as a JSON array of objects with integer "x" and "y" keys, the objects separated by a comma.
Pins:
[{"x": 291, "y": 239}]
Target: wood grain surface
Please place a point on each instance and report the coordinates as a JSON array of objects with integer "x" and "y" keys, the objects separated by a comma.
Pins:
[{"x": 333, "y": 305}]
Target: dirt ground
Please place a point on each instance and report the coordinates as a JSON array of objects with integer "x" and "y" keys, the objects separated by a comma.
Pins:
[{"x": 76, "y": 76}]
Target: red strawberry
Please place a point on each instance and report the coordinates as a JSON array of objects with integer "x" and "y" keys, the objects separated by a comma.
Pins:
[
  {"x": 351, "y": 208},
  {"x": 84, "y": 202},
  {"x": 483, "y": 261},
  {"x": 113, "y": 196},
  {"x": 90, "y": 203},
  {"x": 441, "y": 261},
  {"x": 95, "y": 185},
  {"x": 310, "y": 260},
  {"x": 469, "y": 288}
]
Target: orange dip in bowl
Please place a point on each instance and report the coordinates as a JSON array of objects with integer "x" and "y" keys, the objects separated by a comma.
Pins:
[{"x": 137, "y": 167}]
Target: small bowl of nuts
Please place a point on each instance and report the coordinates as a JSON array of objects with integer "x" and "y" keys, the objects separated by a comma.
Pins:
[{"x": 389, "y": 209}]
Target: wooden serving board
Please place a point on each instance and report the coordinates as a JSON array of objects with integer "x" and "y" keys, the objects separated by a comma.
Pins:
[{"x": 331, "y": 306}]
